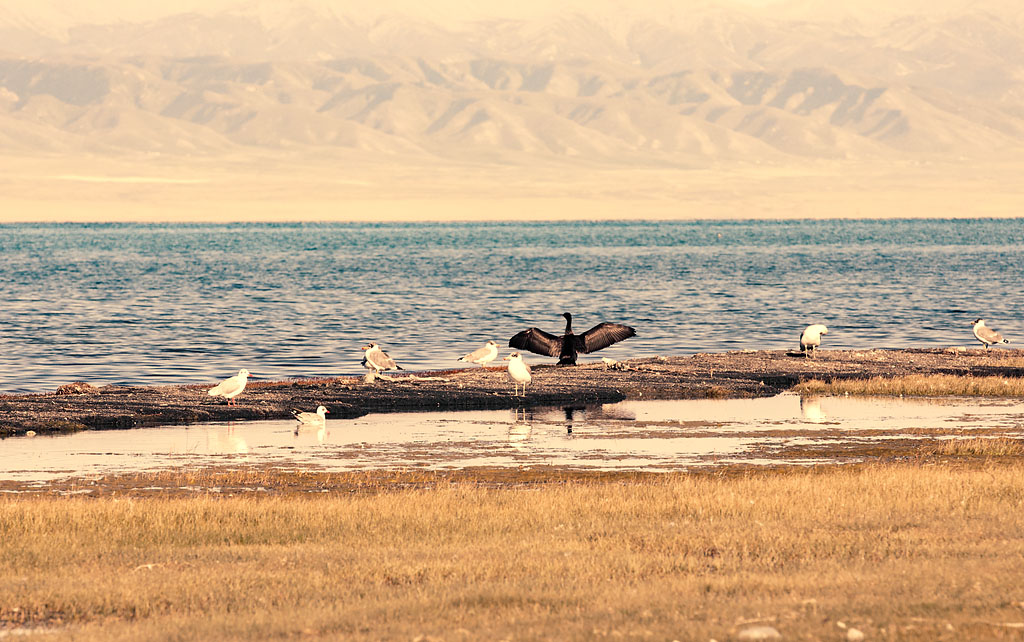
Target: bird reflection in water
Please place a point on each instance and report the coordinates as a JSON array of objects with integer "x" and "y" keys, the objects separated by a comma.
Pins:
[
  {"x": 810, "y": 409},
  {"x": 570, "y": 414},
  {"x": 519, "y": 431},
  {"x": 226, "y": 442},
  {"x": 308, "y": 433}
]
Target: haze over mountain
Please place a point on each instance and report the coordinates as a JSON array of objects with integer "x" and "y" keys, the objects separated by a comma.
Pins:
[{"x": 461, "y": 100}]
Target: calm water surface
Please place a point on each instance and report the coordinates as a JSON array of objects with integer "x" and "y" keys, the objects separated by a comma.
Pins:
[
  {"x": 631, "y": 435},
  {"x": 158, "y": 304}
]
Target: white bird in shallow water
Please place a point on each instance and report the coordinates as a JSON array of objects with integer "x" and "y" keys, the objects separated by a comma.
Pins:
[
  {"x": 987, "y": 335},
  {"x": 311, "y": 419},
  {"x": 483, "y": 355},
  {"x": 519, "y": 371},
  {"x": 231, "y": 387},
  {"x": 377, "y": 360},
  {"x": 811, "y": 337}
]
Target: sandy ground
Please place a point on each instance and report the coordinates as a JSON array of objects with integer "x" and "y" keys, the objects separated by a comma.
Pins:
[{"x": 730, "y": 374}]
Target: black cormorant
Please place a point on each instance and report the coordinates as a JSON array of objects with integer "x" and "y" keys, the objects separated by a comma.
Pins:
[{"x": 567, "y": 346}]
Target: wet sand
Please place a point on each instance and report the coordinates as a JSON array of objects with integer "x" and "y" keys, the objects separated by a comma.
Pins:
[{"x": 720, "y": 375}]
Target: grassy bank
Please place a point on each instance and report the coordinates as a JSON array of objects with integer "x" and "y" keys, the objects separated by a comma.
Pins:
[
  {"x": 918, "y": 386},
  {"x": 909, "y": 552}
]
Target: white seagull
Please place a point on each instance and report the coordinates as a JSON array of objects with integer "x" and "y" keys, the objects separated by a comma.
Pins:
[
  {"x": 483, "y": 355},
  {"x": 311, "y": 419},
  {"x": 231, "y": 387},
  {"x": 377, "y": 360},
  {"x": 987, "y": 335},
  {"x": 519, "y": 371},
  {"x": 811, "y": 337}
]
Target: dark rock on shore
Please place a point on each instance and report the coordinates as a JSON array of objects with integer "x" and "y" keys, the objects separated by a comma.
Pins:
[{"x": 81, "y": 406}]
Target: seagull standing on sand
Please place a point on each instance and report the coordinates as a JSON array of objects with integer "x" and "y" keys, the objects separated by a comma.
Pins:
[
  {"x": 811, "y": 337},
  {"x": 311, "y": 419},
  {"x": 231, "y": 387},
  {"x": 567, "y": 346},
  {"x": 483, "y": 355},
  {"x": 376, "y": 360},
  {"x": 519, "y": 371},
  {"x": 987, "y": 335}
]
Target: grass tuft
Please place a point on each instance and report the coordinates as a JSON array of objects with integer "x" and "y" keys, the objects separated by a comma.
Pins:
[
  {"x": 918, "y": 386},
  {"x": 980, "y": 447}
]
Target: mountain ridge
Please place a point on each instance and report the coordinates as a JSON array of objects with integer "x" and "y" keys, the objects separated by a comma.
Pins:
[{"x": 722, "y": 84}]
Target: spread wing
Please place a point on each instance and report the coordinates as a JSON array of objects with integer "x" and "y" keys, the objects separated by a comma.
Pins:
[
  {"x": 602, "y": 335},
  {"x": 537, "y": 341}
]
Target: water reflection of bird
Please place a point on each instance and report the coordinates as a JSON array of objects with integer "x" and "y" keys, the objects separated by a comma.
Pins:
[
  {"x": 311, "y": 419},
  {"x": 811, "y": 337},
  {"x": 226, "y": 442},
  {"x": 319, "y": 433},
  {"x": 987, "y": 335},
  {"x": 570, "y": 414},
  {"x": 231, "y": 387},
  {"x": 567, "y": 346},
  {"x": 519, "y": 432},
  {"x": 519, "y": 371},
  {"x": 376, "y": 360},
  {"x": 810, "y": 409},
  {"x": 483, "y": 355}
]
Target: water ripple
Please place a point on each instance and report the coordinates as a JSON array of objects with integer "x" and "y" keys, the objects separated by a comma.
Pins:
[{"x": 156, "y": 304}]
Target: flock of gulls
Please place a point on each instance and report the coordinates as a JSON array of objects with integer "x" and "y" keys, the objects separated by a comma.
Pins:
[{"x": 566, "y": 347}]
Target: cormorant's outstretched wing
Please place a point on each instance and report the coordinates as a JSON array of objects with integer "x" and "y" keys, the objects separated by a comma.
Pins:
[
  {"x": 537, "y": 341},
  {"x": 602, "y": 335}
]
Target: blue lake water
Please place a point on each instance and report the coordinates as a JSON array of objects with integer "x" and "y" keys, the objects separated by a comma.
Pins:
[{"x": 160, "y": 304}]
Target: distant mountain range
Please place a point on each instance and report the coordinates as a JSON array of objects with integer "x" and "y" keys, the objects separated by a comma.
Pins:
[{"x": 702, "y": 86}]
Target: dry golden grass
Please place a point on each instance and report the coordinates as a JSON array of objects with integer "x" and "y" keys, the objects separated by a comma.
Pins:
[
  {"x": 900, "y": 552},
  {"x": 918, "y": 386},
  {"x": 979, "y": 447}
]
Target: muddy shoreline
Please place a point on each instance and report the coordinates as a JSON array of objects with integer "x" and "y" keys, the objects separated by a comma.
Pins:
[{"x": 729, "y": 374}]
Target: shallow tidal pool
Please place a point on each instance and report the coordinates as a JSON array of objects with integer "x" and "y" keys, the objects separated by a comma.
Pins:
[{"x": 631, "y": 435}]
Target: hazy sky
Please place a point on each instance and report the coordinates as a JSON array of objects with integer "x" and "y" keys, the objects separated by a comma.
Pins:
[{"x": 132, "y": 10}]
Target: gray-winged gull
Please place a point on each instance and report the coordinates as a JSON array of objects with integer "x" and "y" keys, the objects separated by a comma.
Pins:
[
  {"x": 377, "y": 360},
  {"x": 483, "y": 355},
  {"x": 311, "y": 419},
  {"x": 987, "y": 335}
]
